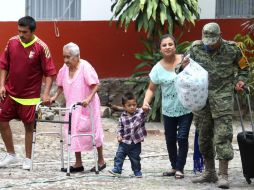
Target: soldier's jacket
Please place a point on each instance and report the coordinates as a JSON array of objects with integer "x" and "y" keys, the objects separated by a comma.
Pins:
[{"x": 223, "y": 73}]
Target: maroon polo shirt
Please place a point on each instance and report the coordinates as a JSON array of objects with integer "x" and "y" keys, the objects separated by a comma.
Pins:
[{"x": 26, "y": 67}]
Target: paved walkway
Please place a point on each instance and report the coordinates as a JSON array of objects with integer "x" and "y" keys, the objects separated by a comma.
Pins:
[{"x": 47, "y": 175}]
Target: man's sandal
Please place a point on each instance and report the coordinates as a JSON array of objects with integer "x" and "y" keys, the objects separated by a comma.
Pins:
[
  {"x": 179, "y": 175},
  {"x": 170, "y": 173}
]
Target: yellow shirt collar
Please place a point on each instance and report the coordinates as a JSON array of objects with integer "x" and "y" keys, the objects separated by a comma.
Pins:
[{"x": 25, "y": 45}]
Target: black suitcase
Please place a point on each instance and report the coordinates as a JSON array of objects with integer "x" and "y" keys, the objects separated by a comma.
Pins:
[{"x": 245, "y": 141}]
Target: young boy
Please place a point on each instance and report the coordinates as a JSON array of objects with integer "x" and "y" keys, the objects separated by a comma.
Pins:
[{"x": 130, "y": 133}]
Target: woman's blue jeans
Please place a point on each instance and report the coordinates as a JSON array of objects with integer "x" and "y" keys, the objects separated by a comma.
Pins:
[{"x": 177, "y": 131}]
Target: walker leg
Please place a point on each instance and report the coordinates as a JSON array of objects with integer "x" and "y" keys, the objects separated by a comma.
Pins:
[
  {"x": 33, "y": 146},
  {"x": 62, "y": 155},
  {"x": 61, "y": 143},
  {"x": 68, "y": 159},
  {"x": 95, "y": 156}
]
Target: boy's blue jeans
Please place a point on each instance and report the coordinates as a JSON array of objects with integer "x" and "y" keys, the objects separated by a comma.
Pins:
[
  {"x": 133, "y": 152},
  {"x": 177, "y": 131}
]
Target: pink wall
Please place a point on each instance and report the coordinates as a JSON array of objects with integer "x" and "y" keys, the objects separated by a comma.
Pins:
[{"x": 109, "y": 49}]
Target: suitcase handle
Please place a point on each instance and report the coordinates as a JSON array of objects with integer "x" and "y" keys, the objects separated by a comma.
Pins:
[{"x": 247, "y": 94}]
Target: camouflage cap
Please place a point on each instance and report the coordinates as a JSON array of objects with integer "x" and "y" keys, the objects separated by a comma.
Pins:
[{"x": 211, "y": 33}]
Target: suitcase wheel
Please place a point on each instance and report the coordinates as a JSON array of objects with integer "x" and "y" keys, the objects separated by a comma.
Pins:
[{"x": 248, "y": 180}]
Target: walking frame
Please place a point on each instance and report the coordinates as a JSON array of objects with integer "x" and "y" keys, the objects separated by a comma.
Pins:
[{"x": 40, "y": 108}]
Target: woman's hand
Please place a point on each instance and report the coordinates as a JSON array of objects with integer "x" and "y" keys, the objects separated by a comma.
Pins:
[
  {"x": 185, "y": 61},
  {"x": 85, "y": 102},
  {"x": 146, "y": 107},
  {"x": 52, "y": 99},
  {"x": 58, "y": 92},
  {"x": 2, "y": 93}
]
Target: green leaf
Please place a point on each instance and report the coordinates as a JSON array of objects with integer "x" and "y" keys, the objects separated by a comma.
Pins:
[
  {"x": 148, "y": 45},
  {"x": 151, "y": 27},
  {"x": 143, "y": 56},
  {"x": 188, "y": 15},
  {"x": 155, "y": 6},
  {"x": 131, "y": 12},
  {"x": 179, "y": 14},
  {"x": 165, "y": 2},
  {"x": 173, "y": 4},
  {"x": 195, "y": 4},
  {"x": 142, "y": 4},
  {"x": 182, "y": 48},
  {"x": 127, "y": 22},
  {"x": 122, "y": 18},
  {"x": 170, "y": 24},
  {"x": 142, "y": 65},
  {"x": 113, "y": 5},
  {"x": 120, "y": 6},
  {"x": 149, "y": 9},
  {"x": 163, "y": 13},
  {"x": 139, "y": 21},
  {"x": 141, "y": 73},
  {"x": 145, "y": 21},
  {"x": 188, "y": 2}
]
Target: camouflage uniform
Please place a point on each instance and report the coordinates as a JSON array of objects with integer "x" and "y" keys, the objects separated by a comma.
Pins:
[{"x": 214, "y": 122}]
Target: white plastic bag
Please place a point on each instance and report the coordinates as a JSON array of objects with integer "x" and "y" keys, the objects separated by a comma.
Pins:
[{"x": 192, "y": 86}]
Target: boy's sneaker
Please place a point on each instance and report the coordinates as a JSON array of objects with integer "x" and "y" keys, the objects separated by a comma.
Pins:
[
  {"x": 26, "y": 164},
  {"x": 138, "y": 174},
  {"x": 115, "y": 173},
  {"x": 8, "y": 160}
]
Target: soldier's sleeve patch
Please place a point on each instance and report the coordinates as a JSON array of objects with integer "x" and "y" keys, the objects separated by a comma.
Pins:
[{"x": 243, "y": 62}]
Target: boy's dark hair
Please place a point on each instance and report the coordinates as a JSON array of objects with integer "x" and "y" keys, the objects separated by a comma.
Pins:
[
  {"x": 27, "y": 21},
  {"x": 127, "y": 96}
]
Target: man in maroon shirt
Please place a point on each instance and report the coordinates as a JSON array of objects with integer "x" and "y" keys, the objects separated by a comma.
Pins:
[{"x": 24, "y": 62}]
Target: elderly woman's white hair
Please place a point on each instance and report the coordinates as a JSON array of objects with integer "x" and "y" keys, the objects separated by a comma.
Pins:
[{"x": 74, "y": 49}]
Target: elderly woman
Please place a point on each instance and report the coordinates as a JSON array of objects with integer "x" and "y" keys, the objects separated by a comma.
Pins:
[{"x": 79, "y": 82}]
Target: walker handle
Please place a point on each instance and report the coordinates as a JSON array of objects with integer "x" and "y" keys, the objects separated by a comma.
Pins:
[
  {"x": 246, "y": 89},
  {"x": 78, "y": 103}
]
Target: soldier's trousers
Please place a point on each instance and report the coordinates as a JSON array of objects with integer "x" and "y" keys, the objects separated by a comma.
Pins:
[{"x": 215, "y": 134}]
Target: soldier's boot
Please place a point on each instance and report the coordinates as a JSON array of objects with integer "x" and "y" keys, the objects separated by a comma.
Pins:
[
  {"x": 223, "y": 174},
  {"x": 209, "y": 176}
]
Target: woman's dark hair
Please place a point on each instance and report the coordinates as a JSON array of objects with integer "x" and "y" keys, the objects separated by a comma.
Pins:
[
  {"x": 167, "y": 36},
  {"x": 27, "y": 21},
  {"x": 127, "y": 96}
]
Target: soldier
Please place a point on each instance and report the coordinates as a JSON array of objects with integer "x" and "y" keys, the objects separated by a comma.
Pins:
[{"x": 221, "y": 59}]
